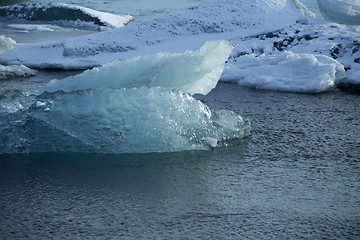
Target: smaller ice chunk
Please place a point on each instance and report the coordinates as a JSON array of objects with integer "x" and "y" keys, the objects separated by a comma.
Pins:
[
  {"x": 6, "y": 44},
  {"x": 192, "y": 71},
  {"x": 212, "y": 142},
  {"x": 14, "y": 71},
  {"x": 341, "y": 11},
  {"x": 288, "y": 71}
]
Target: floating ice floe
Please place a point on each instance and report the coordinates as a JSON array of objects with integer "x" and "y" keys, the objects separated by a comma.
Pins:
[
  {"x": 65, "y": 14},
  {"x": 127, "y": 118},
  {"x": 341, "y": 11},
  {"x": 6, "y": 72},
  {"x": 286, "y": 71}
]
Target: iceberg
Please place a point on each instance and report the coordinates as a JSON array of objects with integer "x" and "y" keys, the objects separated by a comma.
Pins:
[
  {"x": 65, "y": 14},
  {"x": 341, "y": 11},
  {"x": 192, "y": 72},
  {"x": 287, "y": 71},
  {"x": 150, "y": 115}
]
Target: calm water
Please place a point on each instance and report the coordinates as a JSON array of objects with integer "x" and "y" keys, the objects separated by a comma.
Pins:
[{"x": 296, "y": 177}]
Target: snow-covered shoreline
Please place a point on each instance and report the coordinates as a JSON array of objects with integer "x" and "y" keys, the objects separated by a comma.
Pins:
[
  {"x": 203, "y": 21},
  {"x": 262, "y": 28}
]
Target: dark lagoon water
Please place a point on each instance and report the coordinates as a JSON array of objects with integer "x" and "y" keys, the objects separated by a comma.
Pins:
[{"x": 296, "y": 177}]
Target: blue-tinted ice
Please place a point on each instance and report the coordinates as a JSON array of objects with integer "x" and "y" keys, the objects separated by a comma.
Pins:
[{"x": 148, "y": 108}]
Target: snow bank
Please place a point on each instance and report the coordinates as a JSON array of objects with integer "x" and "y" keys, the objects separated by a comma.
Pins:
[
  {"x": 341, "y": 11},
  {"x": 201, "y": 23},
  {"x": 65, "y": 14},
  {"x": 192, "y": 71},
  {"x": 286, "y": 71}
]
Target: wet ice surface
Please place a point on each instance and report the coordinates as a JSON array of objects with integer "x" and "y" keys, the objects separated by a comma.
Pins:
[{"x": 296, "y": 176}]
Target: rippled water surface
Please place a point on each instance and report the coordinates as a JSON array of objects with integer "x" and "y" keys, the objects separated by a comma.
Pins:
[{"x": 297, "y": 176}]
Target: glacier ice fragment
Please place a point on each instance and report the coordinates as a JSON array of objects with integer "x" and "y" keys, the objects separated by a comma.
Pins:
[
  {"x": 139, "y": 105},
  {"x": 193, "y": 71}
]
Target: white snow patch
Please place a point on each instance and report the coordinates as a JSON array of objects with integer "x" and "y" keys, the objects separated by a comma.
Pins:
[{"x": 113, "y": 20}]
